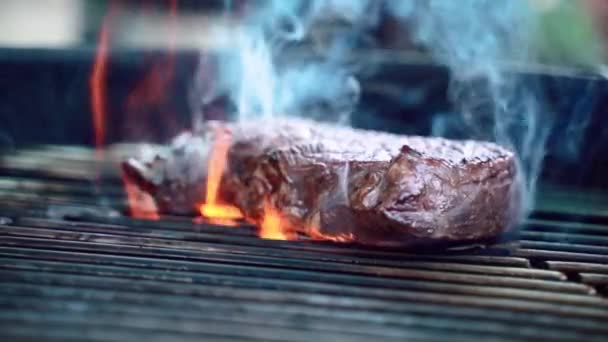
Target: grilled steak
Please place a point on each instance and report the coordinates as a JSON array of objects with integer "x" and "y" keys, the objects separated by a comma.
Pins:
[{"x": 344, "y": 184}]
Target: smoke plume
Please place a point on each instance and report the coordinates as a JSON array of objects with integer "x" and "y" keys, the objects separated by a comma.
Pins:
[
  {"x": 480, "y": 41},
  {"x": 290, "y": 58},
  {"x": 265, "y": 74}
]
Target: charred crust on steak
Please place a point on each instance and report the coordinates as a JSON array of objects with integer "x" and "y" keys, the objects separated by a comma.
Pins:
[{"x": 362, "y": 186}]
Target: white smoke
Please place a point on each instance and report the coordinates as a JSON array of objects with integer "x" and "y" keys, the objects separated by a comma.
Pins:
[
  {"x": 473, "y": 38},
  {"x": 478, "y": 40},
  {"x": 283, "y": 62}
]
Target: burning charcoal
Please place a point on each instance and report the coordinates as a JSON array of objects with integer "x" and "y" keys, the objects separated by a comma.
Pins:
[{"x": 344, "y": 184}]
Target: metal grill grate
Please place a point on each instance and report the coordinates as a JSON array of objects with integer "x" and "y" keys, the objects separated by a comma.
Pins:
[{"x": 67, "y": 276}]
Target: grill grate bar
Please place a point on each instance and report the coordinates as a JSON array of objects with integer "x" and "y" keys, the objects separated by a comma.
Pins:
[
  {"x": 191, "y": 328},
  {"x": 408, "y": 289},
  {"x": 227, "y": 256},
  {"x": 588, "y": 240},
  {"x": 197, "y": 304},
  {"x": 595, "y": 279},
  {"x": 385, "y": 325},
  {"x": 564, "y": 247},
  {"x": 70, "y": 269},
  {"x": 322, "y": 251},
  {"x": 253, "y": 246},
  {"x": 391, "y": 305},
  {"x": 19, "y": 330},
  {"x": 567, "y": 266},
  {"x": 566, "y": 226},
  {"x": 552, "y": 255},
  {"x": 345, "y": 273}
]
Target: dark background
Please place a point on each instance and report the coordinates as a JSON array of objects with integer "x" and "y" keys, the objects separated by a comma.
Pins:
[
  {"x": 45, "y": 100},
  {"x": 45, "y": 97}
]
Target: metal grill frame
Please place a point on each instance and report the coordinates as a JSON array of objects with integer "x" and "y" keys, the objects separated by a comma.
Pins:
[{"x": 95, "y": 277}]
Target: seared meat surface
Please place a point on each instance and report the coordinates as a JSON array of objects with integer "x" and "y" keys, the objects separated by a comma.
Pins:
[{"x": 341, "y": 183}]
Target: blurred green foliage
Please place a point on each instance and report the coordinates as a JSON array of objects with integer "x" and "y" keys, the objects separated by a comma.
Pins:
[{"x": 567, "y": 36}]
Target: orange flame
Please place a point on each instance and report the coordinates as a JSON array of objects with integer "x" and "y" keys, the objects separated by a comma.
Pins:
[
  {"x": 97, "y": 82},
  {"x": 149, "y": 100},
  {"x": 141, "y": 204},
  {"x": 272, "y": 225},
  {"x": 152, "y": 88},
  {"x": 212, "y": 209}
]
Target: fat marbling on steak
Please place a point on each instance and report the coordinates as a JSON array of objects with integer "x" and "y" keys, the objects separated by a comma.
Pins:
[{"x": 342, "y": 183}]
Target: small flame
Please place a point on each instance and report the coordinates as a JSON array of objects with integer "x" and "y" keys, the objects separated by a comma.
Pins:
[
  {"x": 150, "y": 99},
  {"x": 152, "y": 89},
  {"x": 216, "y": 166},
  {"x": 225, "y": 215},
  {"x": 272, "y": 225},
  {"x": 97, "y": 82},
  {"x": 213, "y": 210},
  {"x": 275, "y": 226},
  {"x": 316, "y": 234},
  {"x": 141, "y": 204}
]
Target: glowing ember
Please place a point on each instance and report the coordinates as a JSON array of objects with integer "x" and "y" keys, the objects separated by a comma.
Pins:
[
  {"x": 271, "y": 226},
  {"x": 212, "y": 209},
  {"x": 141, "y": 204},
  {"x": 219, "y": 211},
  {"x": 343, "y": 238}
]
